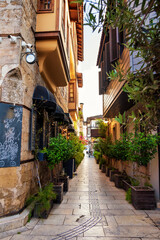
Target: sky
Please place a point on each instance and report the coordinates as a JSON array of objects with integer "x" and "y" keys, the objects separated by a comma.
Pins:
[{"x": 89, "y": 94}]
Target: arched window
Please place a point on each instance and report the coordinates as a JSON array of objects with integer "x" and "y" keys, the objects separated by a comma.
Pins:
[{"x": 45, "y": 6}]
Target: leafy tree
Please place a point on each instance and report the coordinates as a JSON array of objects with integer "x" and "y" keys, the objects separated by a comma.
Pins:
[{"x": 141, "y": 22}]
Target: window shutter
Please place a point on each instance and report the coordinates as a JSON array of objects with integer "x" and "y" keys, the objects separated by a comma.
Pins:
[
  {"x": 121, "y": 41},
  {"x": 100, "y": 83},
  {"x": 107, "y": 62},
  {"x": 104, "y": 76},
  {"x": 114, "y": 48},
  {"x": 107, "y": 58}
]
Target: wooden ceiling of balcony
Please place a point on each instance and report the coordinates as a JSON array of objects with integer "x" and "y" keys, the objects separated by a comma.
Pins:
[{"x": 76, "y": 15}]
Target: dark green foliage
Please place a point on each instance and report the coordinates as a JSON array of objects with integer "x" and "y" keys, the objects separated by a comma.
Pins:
[
  {"x": 60, "y": 149},
  {"x": 138, "y": 148},
  {"x": 142, "y": 148},
  {"x": 120, "y": 148},
  {"x": 128, "y": 195},
  {"x": 134, "y": 182},
  {"x": 103, "y": 145},
  {"x": 77, "y": 148},
  {"x": 102, "y": 127},
  {"x": 97, "y": 155},
  {"x": 102, "y": 162},
  {"x": 147, "y": 184}
]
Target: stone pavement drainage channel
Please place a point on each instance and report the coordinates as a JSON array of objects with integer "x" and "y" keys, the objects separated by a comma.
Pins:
[{"x": 95, "y": 212}]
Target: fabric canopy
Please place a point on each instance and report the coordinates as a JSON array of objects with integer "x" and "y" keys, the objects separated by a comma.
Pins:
[{"x": 44, "y": 96}]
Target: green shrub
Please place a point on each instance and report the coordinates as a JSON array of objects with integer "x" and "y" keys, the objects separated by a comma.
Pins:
[
  {"x": 134, "y": 182},
  {"x": 120, "y": 148},
  {"x": 102, "y": 162},
  {"x": 147, "y": 184},
  {"x": 59, "y": 149},
  {"x": 128, "y": 195},
  {"x": 77, "y": 148},
  {"x": 43, "y": 198},
  {"x": 97, "y": 155},
  {"x": 103, "y": 145}
]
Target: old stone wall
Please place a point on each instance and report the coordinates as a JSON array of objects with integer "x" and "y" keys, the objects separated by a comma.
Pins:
[
  {"x": 141, "y": 173},
  {"x": 17, "y": 83}
]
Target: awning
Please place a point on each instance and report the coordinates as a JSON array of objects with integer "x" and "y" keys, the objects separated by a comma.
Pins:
[
  {"x": 71, "y": 128},
  {"x": 58, "y": 114},
  {"x": 44, "y": 96},
  {"x": 69, "y": 118}
]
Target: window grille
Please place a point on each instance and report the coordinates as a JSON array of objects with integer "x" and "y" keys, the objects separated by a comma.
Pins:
[{"x": 45, "y": 6}]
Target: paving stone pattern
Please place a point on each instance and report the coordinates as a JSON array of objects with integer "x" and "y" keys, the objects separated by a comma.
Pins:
[{"x": 93, "y": 209}]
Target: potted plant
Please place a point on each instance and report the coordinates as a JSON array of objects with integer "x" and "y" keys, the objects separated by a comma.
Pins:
[
  {"x": 97, "y": 156},
  {"x": 75, "y": 154},
  {"x": 41, "y": 155},
  {"x": 65, "y": 179},
  {"x": 43, "y": 201},
  {"x": 141, "y": 150},
  {"x": 102, "y": 164},
  {"x": 112, "y": 172},
  {"x": 108, "y": 168},
  {"x": 143, "y": 198},
  {"x": 118, "y": 179},
  {"x": 57, "y": 151},
  {"x": 128, "y": 182}
]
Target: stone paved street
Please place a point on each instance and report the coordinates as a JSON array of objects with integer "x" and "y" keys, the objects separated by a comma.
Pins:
[{"x": 93, "y": 209}]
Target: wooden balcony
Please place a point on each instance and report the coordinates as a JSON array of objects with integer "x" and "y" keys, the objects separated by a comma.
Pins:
[
  {"x": 52, "y": 40},
  {"x": 115, "y": 100},
  {"x": 52, "y": 60}
]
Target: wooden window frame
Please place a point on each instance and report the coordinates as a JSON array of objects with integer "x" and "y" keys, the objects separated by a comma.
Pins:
[
  {"x": 39, "y": 10},
  {"x": 68, "y": 32},
  {"x": 100, "y": 83},
  {"x": 73, "y": 98},
  {"x": 63, "y": 16},
  {"x": 114, "y": 46}
]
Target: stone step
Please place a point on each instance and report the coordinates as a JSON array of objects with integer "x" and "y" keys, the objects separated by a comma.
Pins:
[{"x": 15, "y": 221}]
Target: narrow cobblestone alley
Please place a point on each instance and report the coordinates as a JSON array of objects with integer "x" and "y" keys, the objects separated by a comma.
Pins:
[{"x": 92, "y": 209}]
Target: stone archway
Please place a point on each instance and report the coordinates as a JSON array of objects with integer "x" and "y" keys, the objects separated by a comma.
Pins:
[{"x": 12, "y": 87}]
